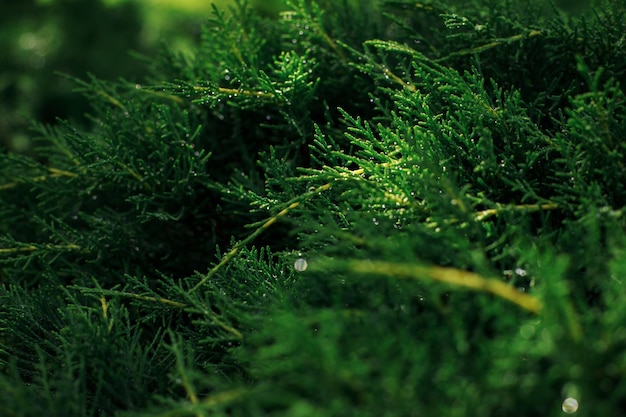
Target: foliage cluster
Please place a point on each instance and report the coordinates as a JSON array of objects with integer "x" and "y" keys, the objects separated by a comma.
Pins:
[{"x": 452, "y": 173}]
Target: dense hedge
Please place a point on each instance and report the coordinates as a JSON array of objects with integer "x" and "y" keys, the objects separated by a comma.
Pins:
[{"x": 351, "y": 208}]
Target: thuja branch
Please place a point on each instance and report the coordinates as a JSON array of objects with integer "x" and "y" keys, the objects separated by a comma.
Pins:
[
  {"x": 233, "y": 91},
  {"x": 159, "y": 94},
  {"x": 95, "y": 87},
  {"x": 241, "y": 244},
  {"x": 135, "y": 175},
  {"x": 387, "y": 73},
  {"x": 46, "y": 247},
  {"x": 223, "y": 397},
  {"x": 292, "y": 204},
  {"x": 482, "y": 215},
  {"x": 125, "y": 294},
  {"x": 448, "y": 275},
  {"x": 54, "y": 173},
  {"x": 492, "y": 44},
  {"x": 501, "y": 208},
  {"x": 161, "y": 300}
]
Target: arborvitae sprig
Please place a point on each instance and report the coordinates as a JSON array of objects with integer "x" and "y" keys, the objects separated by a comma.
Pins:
[{"x": 448, "y": 180}]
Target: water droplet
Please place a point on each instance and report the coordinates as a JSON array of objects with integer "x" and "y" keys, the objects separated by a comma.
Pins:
[
  {"x": 570, "y": 405},
  {"x": 301, "y": 265}
]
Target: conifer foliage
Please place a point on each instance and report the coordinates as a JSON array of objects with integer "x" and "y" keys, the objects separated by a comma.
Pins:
[{"x": 353, "y": 208}]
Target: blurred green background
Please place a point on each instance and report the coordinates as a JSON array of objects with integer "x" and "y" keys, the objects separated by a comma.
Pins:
[{"x": 40, "y": 38}]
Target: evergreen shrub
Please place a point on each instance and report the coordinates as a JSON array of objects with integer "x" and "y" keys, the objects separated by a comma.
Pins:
[{"x": 350, "y": 209}]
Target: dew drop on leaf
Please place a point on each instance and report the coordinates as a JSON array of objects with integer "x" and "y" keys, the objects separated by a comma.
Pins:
[
  {"x": 570, "y": 405},
  {"x": 300, "y": 265}
]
